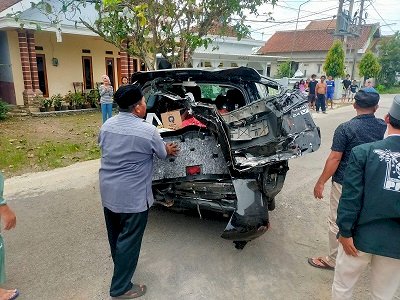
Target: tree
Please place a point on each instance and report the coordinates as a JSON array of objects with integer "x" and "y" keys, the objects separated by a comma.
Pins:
[
  {"x": 285, "y": 70},
  {"x": 173, "y": 28},
  {"x": 334, "y": 61},
  {"x": 389, "y": 58},
  {"x": 369, "y": 65}
]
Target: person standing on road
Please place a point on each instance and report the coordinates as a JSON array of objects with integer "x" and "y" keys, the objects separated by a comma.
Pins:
[
  {"x": 9, "y": 220},
  {"x": 369, "y": 86},
  {"x": 330, "y": 90},
  {"x": 364, "y": 128},
  {"x": 302, "y": 86},
  {"x": 106, "y": 97},
  {"x": 311, "y": 91},
  {"x": 353, "y": 90},
  {"x": 346, "y": 84},
  {"x": 369, "y": 216},
  {"x": 320, "y": 91},
  {"x": 128, "y": 144}
]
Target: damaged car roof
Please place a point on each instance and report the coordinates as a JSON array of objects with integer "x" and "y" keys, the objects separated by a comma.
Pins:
[{"x": 199, "y": 75}]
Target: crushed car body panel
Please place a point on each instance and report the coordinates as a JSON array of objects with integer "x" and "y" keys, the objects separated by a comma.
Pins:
[{"x": 235, "y": 161}]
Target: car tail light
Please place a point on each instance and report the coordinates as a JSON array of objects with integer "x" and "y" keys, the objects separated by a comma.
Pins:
[{"x": 193, "y": 170}]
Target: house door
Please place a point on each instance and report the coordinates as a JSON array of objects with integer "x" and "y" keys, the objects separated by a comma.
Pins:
[
  {"x": 87, "y": 72},
  {"x": 42, "y": 74},
  {"x": 110, "y": 70}
]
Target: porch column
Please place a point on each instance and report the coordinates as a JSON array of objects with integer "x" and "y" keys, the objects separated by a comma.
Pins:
[
  {"x": 123, "y": 54},
  {"x": 28, "y": 94},
  {"x": 30, "y": 36},
  {"x": 215, "y": 63},
  {"x": 24, "y": 55},
  {"x": 264, "y": 67},
  {"x": 196, "y": 63}
]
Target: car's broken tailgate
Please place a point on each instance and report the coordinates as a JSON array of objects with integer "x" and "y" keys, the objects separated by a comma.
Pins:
[
  {"x": 199, "y": 149},
  {"x": 264, "y": 132}
]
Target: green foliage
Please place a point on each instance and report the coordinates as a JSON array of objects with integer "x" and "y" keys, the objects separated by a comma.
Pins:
[
  {"x": 369, "y": 65},
  {"x": 44, "y": 102},
  {"x": 389, "y": 58},
  {"x": 57, "y": 100},
  {"x": 93, "y": 98},
  {"x": 173, "y": 28},
  {"x": 334, "y": 61},
  {"x": 380, "y": 88},
  {"x": 285, "y": 70},
  {"x": 4, "y": 109},
  {"x": 77, "y": 99}
]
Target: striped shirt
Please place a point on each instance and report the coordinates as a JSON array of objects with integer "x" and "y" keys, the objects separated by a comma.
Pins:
[
  {"x": 106, "y": 94},
  {"x": 128, "y": 144}
]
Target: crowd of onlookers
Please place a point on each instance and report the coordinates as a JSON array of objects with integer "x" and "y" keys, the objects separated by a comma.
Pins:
[{"x": 321, "y": 92}]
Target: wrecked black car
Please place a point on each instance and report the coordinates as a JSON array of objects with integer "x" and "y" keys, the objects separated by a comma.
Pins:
[{"x": 236, "y": 131}]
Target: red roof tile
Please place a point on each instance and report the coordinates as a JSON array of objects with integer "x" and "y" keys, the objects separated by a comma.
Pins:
[
  {"x": 321, "y": 25},
  {"x": 4, "y": 4},
  {"x": 307, "y": 40}
]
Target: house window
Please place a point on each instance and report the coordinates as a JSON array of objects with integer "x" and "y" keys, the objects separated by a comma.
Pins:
[
  {"x": 134, "y": 65},
  {"x": 305, "y": 73},
  {"x": 110, "y": 71},
  {"x": 87, "y": 72},
  {"x": 319, "y": 68},
  {"x": 42, "y": 74},
  {"x": 142, "y": 66}
]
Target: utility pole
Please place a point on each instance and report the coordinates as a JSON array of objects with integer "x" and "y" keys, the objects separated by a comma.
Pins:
[
  {"x": 338, "y": 19},
  {"x": 360, "y": 21},
  {"x": 348, "y": 29}
]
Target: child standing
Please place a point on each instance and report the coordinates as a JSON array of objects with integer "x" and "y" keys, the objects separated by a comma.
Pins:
[
  {"x": 353, "y": 90},
  {"x": 9, "y": 220}
]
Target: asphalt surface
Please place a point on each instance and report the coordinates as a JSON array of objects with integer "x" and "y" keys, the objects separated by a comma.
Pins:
[{"x": 59, "y": 248}]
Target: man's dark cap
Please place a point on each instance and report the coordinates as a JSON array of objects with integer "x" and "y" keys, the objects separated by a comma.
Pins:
[
  {"x": 128, "y": 95},
  {"x": 366, "y": 99},
  {"x": 395, "y": 108}
]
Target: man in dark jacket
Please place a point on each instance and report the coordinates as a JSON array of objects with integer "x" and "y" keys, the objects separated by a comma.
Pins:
[
  {"x": 364, "y": 128},
  {"x": 369, "y": 216}
]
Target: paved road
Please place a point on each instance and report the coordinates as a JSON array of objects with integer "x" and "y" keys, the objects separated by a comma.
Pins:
[{"x": 59, "y": 249}]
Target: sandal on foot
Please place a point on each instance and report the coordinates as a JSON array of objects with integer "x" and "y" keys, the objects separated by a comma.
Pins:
[
  {"x": 136, "y": 291},
  {"x": 15, "y": 296},
  {"x": 322, "y": 263}
]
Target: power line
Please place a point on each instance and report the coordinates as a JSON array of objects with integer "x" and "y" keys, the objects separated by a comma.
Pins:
[
  {"x": 384, "y": 21},
  {"x": 281, "y": 22},
  {"x": 294, "y": 20},
  {"x": 296, "y": 9}
]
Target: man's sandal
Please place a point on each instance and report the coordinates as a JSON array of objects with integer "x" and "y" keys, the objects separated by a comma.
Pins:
[
  {"x": 136, "y": 291},
  {"x": 13, "y": 294},
  {"x": 322, "y": 263}
]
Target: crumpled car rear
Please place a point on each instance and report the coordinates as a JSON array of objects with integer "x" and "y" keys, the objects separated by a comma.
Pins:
[{"x": 235, "y": 162}]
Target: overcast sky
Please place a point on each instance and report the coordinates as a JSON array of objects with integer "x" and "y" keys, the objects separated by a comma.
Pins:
[{"x": 286, "y": 10}]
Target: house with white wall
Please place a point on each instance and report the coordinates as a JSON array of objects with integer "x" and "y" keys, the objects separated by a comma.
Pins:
[
  {"x": 47, "y": 57},
  {"x": 308, "y": 47}
]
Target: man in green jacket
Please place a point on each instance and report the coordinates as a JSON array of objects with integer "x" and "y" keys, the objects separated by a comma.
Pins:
[
  {"x": 369, "y": 216},
  {"x": 9, "y": 220}
]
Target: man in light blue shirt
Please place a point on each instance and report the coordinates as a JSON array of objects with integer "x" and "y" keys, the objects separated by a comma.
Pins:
[{"x": 128, "y": 144}]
